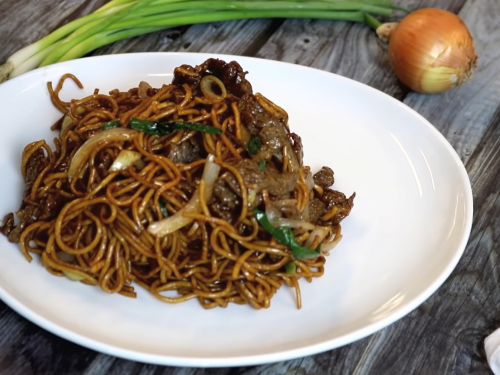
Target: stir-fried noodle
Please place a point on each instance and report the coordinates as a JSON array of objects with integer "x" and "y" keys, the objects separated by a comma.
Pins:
[{"x": 192, "y": 190}]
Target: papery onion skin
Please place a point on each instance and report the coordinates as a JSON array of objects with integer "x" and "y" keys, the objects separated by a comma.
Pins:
[{"x": 431, "y": 51}]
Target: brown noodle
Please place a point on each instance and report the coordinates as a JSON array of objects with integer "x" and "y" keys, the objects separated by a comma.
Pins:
[{"x": 97, "y": 232}]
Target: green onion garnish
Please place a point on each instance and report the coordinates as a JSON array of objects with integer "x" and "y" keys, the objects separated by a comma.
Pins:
[
  {"x": 163, "y": 208},
  {"x": 262, "y": 165},
  {"x": 291, "y": 268},
  {"x": 165, "y": 128},
  {"x": 254, "y": 145},
  {"x": 111, "y": 124},
  {"x": 284, "y": 235}
]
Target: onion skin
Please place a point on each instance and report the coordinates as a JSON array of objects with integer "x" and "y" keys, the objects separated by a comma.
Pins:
[{"x": 431, "y": 51}]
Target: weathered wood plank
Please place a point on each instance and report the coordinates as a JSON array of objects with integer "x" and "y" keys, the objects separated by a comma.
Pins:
[
  {"x": 464, "y": 114},
  {"x": 347, "y": 49},
  {"x": 444, "y": 335},
  {"x": 23, "y": 23}
]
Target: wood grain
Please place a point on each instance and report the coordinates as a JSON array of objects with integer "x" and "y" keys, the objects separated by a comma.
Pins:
[{"x": 442, "y": 336}]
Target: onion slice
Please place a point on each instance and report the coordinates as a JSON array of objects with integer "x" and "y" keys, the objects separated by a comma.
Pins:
[
  {"x": 206, "y": 86},
  {"x": 319, "y": 232},
  {"x": 109, "y": 135},
  {"x": 125, "y": 159},
  {"x": 66, "y": 122},
  {"x": 178, "y": 220},
  {"x": 292, "y": 223}
]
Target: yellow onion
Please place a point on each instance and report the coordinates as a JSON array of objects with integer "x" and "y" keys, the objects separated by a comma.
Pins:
[{"x": 430, "y": 50}]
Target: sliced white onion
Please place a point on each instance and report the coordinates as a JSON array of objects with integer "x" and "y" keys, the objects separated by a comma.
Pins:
[
  {"x": 178, "y": 220},
  {"x": 69, "y": 258},
  {"x": 331, "y": 243},
  {"x": 67, "y": 121},
  {"x": 308, "y": 176},
  {"x": 206, "y": 86},
  {"x": 292, "y": 223},
  {"x": 73, "y": 276},
  {"x": 318, "y": 232},
  {"x": 143, "y": 90},
  {"x": 252, "y": 196},
  {"x": 109, "y": 135},
  {"x": 125, "y": 159}
]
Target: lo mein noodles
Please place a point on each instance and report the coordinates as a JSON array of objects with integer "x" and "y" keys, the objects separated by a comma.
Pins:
[{"x": 196, "y": 189}]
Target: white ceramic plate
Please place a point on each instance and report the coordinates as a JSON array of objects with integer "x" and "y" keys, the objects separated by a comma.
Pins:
[{"x": 409, "y": 227}]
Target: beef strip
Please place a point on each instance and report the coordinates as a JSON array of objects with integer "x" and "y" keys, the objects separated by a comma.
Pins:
[
  {"x": 28, "y": 213},
  {"x": 272, "y": 131},
  {"x": 231, "y": 74},
  {"x": 316, "y": 210},
  {"x": 297, "y": 147},
  {"x": 331, "y": 198},
  {"x": 275, "y": 182},
  {"x": 184, "y": 152},
  {"x": 324, "y": 177},
  {"x": 224, "y": 201}
]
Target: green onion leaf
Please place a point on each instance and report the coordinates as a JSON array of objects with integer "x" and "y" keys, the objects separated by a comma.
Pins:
[
  {"x": 254, "y": 145},
  {"x": 111, "y": 124},
  {"x": 196, "y": 126},
  {"x": 262, "y": 165},
  {"x": 291, "y": 268},
  {"x": 165, "y": 128},
  {"x": 284, "y": 235},
  {"x": 163, "y": 208}
]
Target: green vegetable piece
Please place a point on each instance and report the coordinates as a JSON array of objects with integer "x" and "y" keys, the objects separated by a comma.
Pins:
[
  {"x": 111, "y": 124},
  {"x": 165, "y": 128},
  {"x": 262, "y": 165},
  {"x": 163, "y": 209},
  {"x": 284, "y": 235},
  {"x": 196, "y": 126},
  {"x": 291, "y": 268},
  {"x": 254, "y": 145}
]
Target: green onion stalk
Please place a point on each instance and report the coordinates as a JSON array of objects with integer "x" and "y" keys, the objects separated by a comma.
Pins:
[{"x": 121, "y": 19}]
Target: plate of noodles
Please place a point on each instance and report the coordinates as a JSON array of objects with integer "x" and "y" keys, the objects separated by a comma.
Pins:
[{"x": 212, "y": 210}]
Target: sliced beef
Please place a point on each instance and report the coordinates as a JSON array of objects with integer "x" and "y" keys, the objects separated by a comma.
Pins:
[
  {"x": 276, "y": 183},
  {"x": 28, "y": 213},
  {"x": 316, "y": 210},
  {"x": 324, "y": 177},
  {"x": 333, "y": 198},
  {"x": 224, "y": 201},
  {"x": 186, "y": 74},
  {"x": 297, "y": 147},
  {"x": 255, "y": 117},
  {"x": 274, "y": 135},
  {"x": 184, "y": 152},
  {"x": 231, "y": 74},
  {"x": 46, "y": 208}
]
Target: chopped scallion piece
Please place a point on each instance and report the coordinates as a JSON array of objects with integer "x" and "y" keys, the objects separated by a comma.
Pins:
[
  {"x": 254, "y": 145},
  {"x": 284, "y": 235},
  {"x": 165, "y": 128},
  {"x": 262, "y": 165},
  {"x": 111, "y": 124},
  {"x": 291, "y": 268},
  {"x": 163, "y": 208}
]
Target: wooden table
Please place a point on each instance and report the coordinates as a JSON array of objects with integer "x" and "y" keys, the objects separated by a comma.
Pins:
[{"x": 442, "y": 336}]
